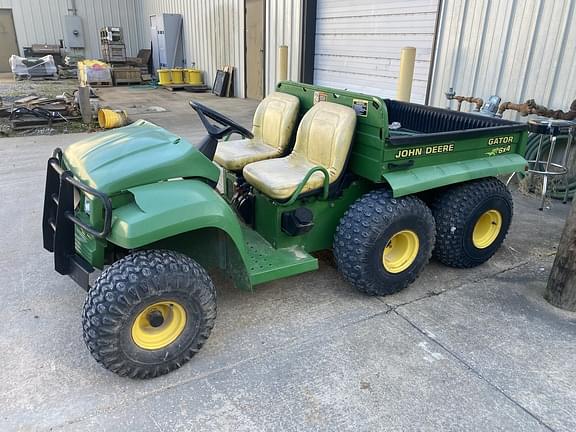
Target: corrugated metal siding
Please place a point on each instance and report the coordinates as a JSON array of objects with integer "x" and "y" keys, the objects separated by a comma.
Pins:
[
  {"x": 213, "y": 33},
  {"x": 43, "y": 21},
  {"x": 358, "y": 43},
  {"x": 517, "y": 49},
  {"x": 283, "y": 27}
]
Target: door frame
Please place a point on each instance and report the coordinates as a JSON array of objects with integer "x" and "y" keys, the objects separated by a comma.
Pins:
[
  {"x": 263, "y": 83},
  {"x": 13, "y": 27}
]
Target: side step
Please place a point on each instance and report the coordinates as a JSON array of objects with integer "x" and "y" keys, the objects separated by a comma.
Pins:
[{"x": 265, "y": 263}]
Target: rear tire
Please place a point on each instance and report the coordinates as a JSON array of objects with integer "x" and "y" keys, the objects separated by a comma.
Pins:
[
  {"x": 383, "y": 243},
  {"x": 149, "y": 313},
  {"x": 472, "y": 221}
]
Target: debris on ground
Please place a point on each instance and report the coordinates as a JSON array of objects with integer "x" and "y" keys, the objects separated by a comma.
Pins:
[{"x": 41, "y": 108}]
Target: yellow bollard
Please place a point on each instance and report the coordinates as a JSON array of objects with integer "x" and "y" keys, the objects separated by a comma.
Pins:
[
  {"x": 407, "y": 59},
  {"x": 282, "y": 63},
  {"x": 109, "y": 119},
  {"x": 177, "y": 76},
  {"x": 164, "y": 76},
  {"x": 194, "y": 77}
]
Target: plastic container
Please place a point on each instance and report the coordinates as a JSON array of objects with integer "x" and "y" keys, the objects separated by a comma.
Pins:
[
  {"x": 194, "y": 77},
  {"x": 164, "y": 76},
  {"x": 110, "y": 119},
  {"x": 177, "y": 76}
]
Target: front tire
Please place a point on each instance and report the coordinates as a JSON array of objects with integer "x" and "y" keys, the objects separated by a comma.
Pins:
[
  {"x": 383, "y": 243},
  {"x": 472, "y": 220},
  {"x": 149, "y": 313}
]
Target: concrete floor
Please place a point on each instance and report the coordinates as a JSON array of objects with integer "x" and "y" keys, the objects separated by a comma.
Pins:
[{"x": 459, "y": 350}]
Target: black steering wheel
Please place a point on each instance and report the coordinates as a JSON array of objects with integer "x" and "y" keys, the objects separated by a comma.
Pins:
[
  {"x": 230, "y": 126},
  {"x": 208, "y": 145}
]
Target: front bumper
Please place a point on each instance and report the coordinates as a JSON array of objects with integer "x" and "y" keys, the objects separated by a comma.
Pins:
[{"x": 59, "y": 220}]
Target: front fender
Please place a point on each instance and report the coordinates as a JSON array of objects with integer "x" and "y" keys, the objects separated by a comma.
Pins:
[{"x": 166, "y": 209}]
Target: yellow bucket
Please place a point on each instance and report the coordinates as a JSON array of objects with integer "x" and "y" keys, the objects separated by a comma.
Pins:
[
  {"x": 109, "y": 119},
  {"x": 177, "y": 77},
  {"x": 185, "y": 75},
  {"x": 164, "y": 76},
  {"x": 194, "y": 77}
]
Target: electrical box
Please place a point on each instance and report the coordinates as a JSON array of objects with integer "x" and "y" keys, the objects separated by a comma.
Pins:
[
  {"x": 166, "y": 36},
  {"x": 73, "y": 31}
]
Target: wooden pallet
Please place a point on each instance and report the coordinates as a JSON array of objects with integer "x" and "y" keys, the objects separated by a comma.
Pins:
[
  {"x": 185, "y": 87},
  {"x": 99, "y": 84},
  {"x": 127, "y": 81}
]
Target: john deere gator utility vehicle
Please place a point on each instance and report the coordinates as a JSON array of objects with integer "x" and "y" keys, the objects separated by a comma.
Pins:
[{"x": 383, "y": 184}]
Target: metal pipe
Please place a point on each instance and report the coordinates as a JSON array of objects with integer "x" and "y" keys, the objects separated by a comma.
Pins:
[
  {"x": 72, "y": 7},
  {"x": 407, "y": 60},
  {"x": 531, "y": 107},
  {"x": 282, "y": 63}
]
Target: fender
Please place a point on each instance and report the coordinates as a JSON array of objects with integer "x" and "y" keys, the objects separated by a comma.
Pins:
[
  {"x": 166, "y": 209},
  {"x": 415, "y": 180}
]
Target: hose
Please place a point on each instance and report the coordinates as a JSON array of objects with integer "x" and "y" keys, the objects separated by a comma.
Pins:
[{"x": 559, "y": 189}]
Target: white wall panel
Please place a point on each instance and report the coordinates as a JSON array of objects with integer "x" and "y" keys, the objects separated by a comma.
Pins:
[
  {"x": 517, "y": 49},
  {"x": 358, "y": 44},
  {"x": 42, "y": 21},
  {"x": 213, "y": 33},
  {"x": 283, "y": 27}
]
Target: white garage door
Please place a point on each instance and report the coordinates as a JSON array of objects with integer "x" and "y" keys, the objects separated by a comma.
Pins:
[{"x": 358, "y": 44}]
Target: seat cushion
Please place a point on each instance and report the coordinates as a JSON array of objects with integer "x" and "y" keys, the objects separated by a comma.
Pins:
[
  {"x": 273, "y": 124},
  {"x": 235, "y": 155},
  {"x": 323, "y": 139},
  {"x": 279, "y": 178}
]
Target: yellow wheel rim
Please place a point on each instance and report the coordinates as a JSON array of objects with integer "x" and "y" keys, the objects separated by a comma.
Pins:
[
  {"x": 487, "y": 228},
  {"x": 159, "y": 325},
  {"x": 400, "y": 251}
]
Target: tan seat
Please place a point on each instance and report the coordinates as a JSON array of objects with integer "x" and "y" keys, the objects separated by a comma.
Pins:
[
  {"x": 323, "y": 139},
  {"x": 272, "y": 127}
]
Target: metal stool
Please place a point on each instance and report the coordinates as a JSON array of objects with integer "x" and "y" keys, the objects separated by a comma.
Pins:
[{"x": 546, "y": 168}]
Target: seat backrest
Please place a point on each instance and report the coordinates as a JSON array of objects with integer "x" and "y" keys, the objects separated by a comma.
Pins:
[
  {"x": 325, "y": 135},
  {"x": 275, "y": 119}
]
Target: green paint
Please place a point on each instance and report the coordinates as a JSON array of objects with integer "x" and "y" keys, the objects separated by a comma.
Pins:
[
  {"x": 162, "y": 194},
  {"x": 373, "y": 155},
  {"x": 165, "y": 209},
  {"x": 134, "y": 155},
  {"x": 425, "y": 178},
  {"x": 327, "y": 214},
  {"x": 266, "y": 263}
]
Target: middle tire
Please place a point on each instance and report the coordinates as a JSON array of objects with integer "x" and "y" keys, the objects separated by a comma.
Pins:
[{"x": 382, "y": 243}]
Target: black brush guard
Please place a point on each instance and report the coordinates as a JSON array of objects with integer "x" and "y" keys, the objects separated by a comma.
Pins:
[{"x": 58, "y": 220}]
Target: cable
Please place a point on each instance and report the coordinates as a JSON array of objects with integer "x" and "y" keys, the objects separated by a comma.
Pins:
[{"x": 532, "y": 148}]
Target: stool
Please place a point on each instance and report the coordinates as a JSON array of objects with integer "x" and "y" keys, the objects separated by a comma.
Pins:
[{"x": 547, "y": 168}]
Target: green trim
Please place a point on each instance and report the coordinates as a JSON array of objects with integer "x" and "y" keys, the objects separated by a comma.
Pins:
[
  {"x": 415, "y": 180},
  {"x": 325, "y": 186},
  {"x": 265, "y": 263},
  {"x": 169, "y": 208}
]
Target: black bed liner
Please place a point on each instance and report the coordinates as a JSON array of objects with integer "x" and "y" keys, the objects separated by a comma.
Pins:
[{"x": 440, "y": 125}]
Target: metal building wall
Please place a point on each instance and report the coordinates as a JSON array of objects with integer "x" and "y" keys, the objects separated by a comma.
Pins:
[
  {"x": 517, "y": 49},
  {"x": 41, "y": 21},
  {"x": 283, "y": 27},
  {"x": 358, "y": 43},
  {"x": 213, "y": 33}
]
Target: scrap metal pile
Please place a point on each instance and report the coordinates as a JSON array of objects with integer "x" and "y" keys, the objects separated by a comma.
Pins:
[{"x": 33, "y": 112}]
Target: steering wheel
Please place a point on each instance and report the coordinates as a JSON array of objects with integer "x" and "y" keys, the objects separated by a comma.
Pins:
[{"x": 229, "y": 125}]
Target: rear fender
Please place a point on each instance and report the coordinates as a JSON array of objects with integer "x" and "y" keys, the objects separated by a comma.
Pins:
[
  {"x": 182, "y": 215},
  {"x": 421, "y": 179}
]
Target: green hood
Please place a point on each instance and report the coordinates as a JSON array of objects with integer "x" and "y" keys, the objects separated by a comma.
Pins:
[{"x": 135, "y": 155}]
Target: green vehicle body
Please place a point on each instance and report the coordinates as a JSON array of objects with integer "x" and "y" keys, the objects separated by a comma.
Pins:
[{"x": 163, "y": 193}]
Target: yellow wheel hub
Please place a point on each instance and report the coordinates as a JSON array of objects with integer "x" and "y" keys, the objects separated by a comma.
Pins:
[
  {"x": 400, "y": 251},
  {"x": 487, "y": 228},
  {"x": 159, "y": 325}
]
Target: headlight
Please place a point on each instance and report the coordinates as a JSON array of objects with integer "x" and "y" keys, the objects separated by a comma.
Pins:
[{"x": 87, "y": 205}]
